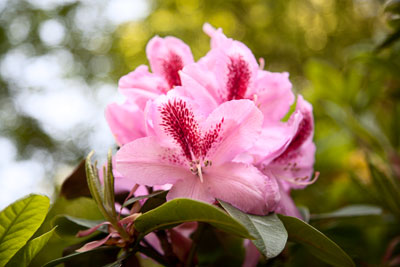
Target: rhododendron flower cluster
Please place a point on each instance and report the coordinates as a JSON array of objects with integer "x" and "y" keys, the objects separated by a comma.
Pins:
[{"x": 213, "y": 129}]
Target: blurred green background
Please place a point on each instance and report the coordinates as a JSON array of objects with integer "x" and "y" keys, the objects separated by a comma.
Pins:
[{"x": 61, "y": 60}]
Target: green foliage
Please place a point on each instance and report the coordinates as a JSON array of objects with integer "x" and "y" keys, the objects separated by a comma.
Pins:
[
  {"x": 68, "y": 226},
  {"x": 18, "y": 222},
  {"x": 134, "y": 199},
  {"x": 182, "y": 210},
  {"x": 82, "y": 207},
  {"x": 350, "y": 211},
  {"x": 343, "y": 56},
  {"x": 25, "y": 255},
  {"x": 223, "y": 250},
  {"x": 87, "y": 255},
  {"x": 269, "y": 232},
  {"x": 315, "y": 241}
]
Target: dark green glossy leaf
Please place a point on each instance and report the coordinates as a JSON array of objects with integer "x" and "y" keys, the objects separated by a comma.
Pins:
[
  {"x": 182, "y": 210},
  {"x": 316, "y": 242},
  {"x": 270, "y": 234},
  {"x": 223, "y": 250},
  {"x": 69, "y": 226},
  {"x": 350, "y": 211},
  {"x": 18, "y": 222},
  {"x": 134, "y": 199},
  {"x": 154, "y": 202},
  {"x": 76, "y": 255}
]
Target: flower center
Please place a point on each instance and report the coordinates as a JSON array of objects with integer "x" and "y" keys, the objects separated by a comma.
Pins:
[
  {"x": 171, "y": 68},
  {"x": 238, "y": 78},
  {"x": 179, "y": 122}
]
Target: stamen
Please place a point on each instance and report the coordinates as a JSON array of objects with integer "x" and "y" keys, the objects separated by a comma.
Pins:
[
  {"x": 199, "y": 172},
  {"x": 300, "y": 180},
  {"x": 238, "y": 78},
  {"x": 171, "y": 67}
]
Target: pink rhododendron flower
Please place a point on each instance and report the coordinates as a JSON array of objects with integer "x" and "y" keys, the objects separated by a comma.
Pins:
[
  {"x": 167, "y": 56},
  {"x": 190, "y": 127},
  {"x": 195, "y": 153},
  {"x": 294, "y": 166},
  {"x": 230, "y": 71}
]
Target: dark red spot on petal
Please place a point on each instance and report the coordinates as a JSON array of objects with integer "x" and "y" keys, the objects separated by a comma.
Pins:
[
  {"x": 210, "y": 137},
  {"x": 179, "y": 122},
  {"x": 171, "y": 67},
  {"x": 303, "y": 132},
  {"x": 238, "y": 78}
]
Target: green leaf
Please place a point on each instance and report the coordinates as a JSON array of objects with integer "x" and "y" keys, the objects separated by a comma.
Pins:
[
  {"x": 79, "y": 208},
  {"x": 350, "y": 211},
  {"x": 315, "y": 241},
  {"x": 223, "y": 250},
  {"x": 182, "y": 210},
  {"x": 392, "y": 6},
  {"x": 93, "y": 182},
  {"x": 29, "y": 251},
  {"x": 134, "y": 199},
  {"x": 18, "y": 222},
  {"x": 154, "y": 202},
  {"x": 70, "y": 226},
  {"x": 109, "y": 194},
  {"x": 76, "y": 255},
  {"x": 270, "y": 234}
]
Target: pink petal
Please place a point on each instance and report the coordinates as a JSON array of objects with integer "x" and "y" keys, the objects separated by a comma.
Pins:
[
  {"x": 141, "y": 78},
  {"x": 154, "y": 112},
  {"x": 145, "y": 162},
  {"x": 126, "y": 122},
  {"x": 295, "y": 170},
  {"x": 274, "y": 140},
  {"x": 240, "y": 129},
  {"x": 140, "y": 85},
  {"x": 153, "y": 240},
  {"x": 180, "y": 244},
  {"x": 273, "y": 95},
  {"x": 224, "y": 52},
  {"x": 195, "y": 91},
  {"x": 294, "y": 166},
  {"x": 286, "y": 205},
  {"x": 252, "y": 254},
  {"x": 162, "y": 52},
  {"x": 243, "y": 186},
  {"x": 122, "y": 184},
  {"x": 202, "y": 72},
  {"x": 121, "y": 210},
  {"x": 218, "y": 38},
  {"x": 191, "y": 187}
]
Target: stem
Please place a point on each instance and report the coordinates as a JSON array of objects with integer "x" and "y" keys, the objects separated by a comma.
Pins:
[{"x": 195, "y": 240}]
